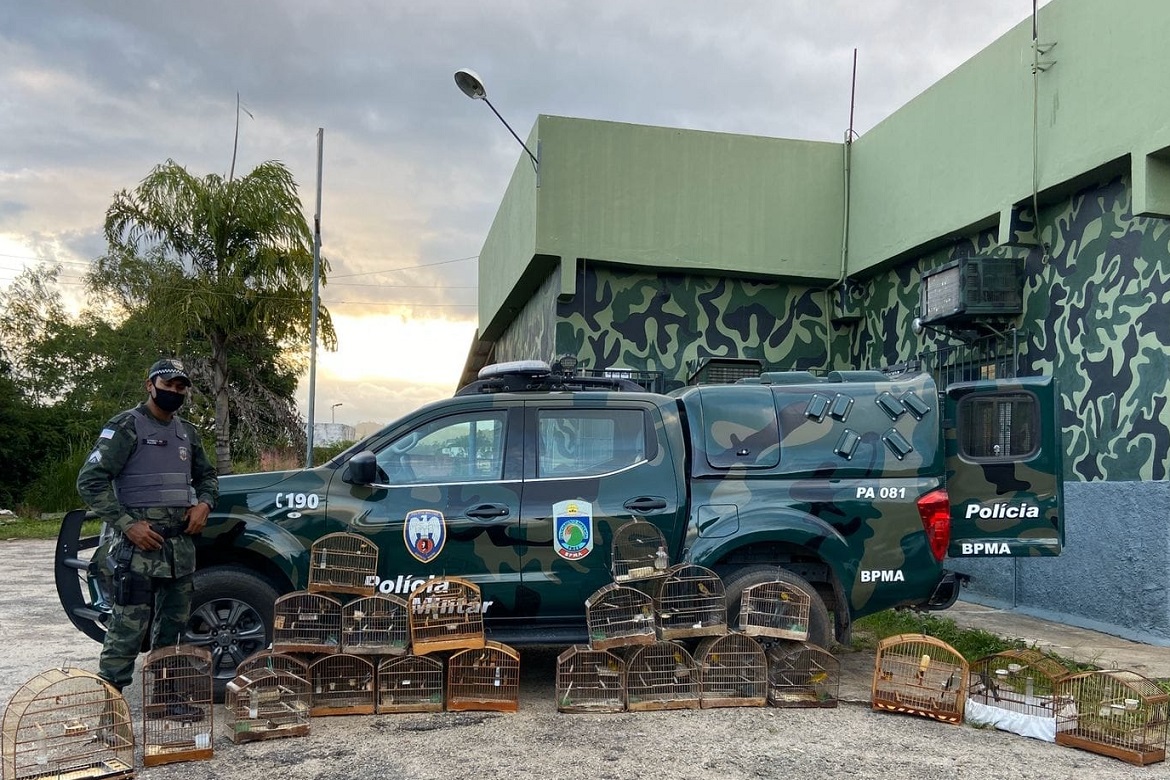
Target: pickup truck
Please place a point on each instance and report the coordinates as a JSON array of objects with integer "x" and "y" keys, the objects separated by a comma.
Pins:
[{"x": 854, "y": 486}]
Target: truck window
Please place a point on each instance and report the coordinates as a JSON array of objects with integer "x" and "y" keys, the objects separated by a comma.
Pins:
[
  {"x": 588, "y": 442},
  {"x": 463, "y": 448},
  {"x": 998, "y": 427}
]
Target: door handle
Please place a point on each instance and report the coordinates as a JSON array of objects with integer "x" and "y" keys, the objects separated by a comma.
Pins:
[
  {"x": 645, "y": 504},
  {"x": 488, "y": 511}
]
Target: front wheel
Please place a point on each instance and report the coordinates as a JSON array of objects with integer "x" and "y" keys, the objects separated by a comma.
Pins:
[{"x": 820, "y": 628}]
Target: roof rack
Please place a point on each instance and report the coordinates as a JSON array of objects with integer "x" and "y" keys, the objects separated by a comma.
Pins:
[{"x": 535, "y": 376}]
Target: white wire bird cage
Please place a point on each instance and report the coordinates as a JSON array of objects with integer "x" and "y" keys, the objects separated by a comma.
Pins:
[
  {"x": 590, "y": 680},
  {"x": 661, "y": 676},
  {"x": 639, "y": 552},
  {"x": 778, "y": 610},
  {"x": 306, "y": 623},
  {"x": 1015, "y": 690},
  {"x": 802, "y": 675},
  {"x": 177, "y": 705},
  {"x": 266, "y": 703},
  {"x": 619, "y": 616},
  {"x": 689, "y": 602},
  {"x": 733, "y": 671}
]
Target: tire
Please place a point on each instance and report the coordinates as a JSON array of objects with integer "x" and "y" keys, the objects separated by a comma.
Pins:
[
  {"x": 231, "y": 616},
  {"x": 820, "y": 627}
]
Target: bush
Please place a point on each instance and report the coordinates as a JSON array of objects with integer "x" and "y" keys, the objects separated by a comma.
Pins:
[{"x": 55, "y": 488}]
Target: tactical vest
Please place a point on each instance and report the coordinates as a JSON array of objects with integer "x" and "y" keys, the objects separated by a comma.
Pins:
[{"x": 158, "y": 472}]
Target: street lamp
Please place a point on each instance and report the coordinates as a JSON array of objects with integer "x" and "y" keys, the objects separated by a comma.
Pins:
[
  {"x": 332, "y": 417},
  {"x": 472, "y": 85}
]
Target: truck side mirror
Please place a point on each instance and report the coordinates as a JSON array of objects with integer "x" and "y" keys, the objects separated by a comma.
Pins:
[{"x": 362, "y": 469}]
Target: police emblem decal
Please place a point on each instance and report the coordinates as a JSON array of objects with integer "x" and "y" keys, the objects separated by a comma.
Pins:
[
  {"x": 182, "y": 453},
  {"x": 425, "y": 532},
  {"x": 573, "y": 529}
]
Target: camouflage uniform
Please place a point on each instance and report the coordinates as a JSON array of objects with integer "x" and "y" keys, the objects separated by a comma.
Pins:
[{"x": 170, "y": 568}]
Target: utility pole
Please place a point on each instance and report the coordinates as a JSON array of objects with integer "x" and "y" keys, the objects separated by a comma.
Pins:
[{"x": 316, "y": 300}]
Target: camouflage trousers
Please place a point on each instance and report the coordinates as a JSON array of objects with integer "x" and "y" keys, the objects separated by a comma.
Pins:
[{"x": 129, "y": 625}]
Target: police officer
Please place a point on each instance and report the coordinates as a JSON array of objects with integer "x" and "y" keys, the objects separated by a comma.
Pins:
[{"x": 149, "y": 479}]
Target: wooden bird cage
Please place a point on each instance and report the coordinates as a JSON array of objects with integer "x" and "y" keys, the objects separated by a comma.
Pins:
[
  {"x": 67, "y": 723},
  {"x": 661, "y": 676},
  {"x": 484, "y": 678},
  {"x": 801, "y": 674},
  {"x": 775, "y": 609},
  {"x": 1015, "y": 690},
  {"x": 733, "y": 671},
  {"x": 1115, "y": 713},
  {"x": 267, "y": 703},
  {"x": 920, "y": 675},
  {"x": 410, "y": 683},
  {"x": 618, "y": 616},
  {"x": 446, "y": 613},
  {"x": 639, "y": 552},
  {"x": 279, "y": 662},
  {"x": 689, "y": 603},
  {"x": 343, "y": 684},
  {"x": 306, "y": 623},
  {"x": 590, "y": 680},
  {"x": 177, "y": 705},
  {"x": 375, "y": 625},
  {"x": 343, "y": 562}
]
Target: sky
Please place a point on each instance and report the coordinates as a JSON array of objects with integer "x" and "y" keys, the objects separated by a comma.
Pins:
[{"x": 93, "y": 95}]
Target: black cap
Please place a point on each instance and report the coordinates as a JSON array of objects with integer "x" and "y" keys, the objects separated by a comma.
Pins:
[{"x": 168, "y": 368}]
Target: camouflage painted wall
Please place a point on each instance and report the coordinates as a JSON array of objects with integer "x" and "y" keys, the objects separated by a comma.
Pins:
[{"x": 531, "y": 336}]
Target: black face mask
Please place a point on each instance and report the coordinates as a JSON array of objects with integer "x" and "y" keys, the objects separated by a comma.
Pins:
[{"x": 168, "y": 400}]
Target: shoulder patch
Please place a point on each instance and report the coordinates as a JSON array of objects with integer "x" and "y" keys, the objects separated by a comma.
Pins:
[
  {"x": 94, "y": 457},
  {"x": 107, "y": 433}
]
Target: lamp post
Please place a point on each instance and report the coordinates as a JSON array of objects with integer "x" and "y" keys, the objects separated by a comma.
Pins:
[
  {"x": 471, "y": 85},
  {"x": 332, "y": 413}
]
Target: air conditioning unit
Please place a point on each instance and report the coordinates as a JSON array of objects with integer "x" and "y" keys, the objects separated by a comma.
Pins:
[{"x": 973, "y": 288}]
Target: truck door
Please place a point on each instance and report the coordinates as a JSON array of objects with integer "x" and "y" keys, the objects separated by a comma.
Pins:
[{"x": 1004, "y": 468}]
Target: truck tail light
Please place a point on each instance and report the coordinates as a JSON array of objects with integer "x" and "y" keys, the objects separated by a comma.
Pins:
[{"x": 935, "y": 509}]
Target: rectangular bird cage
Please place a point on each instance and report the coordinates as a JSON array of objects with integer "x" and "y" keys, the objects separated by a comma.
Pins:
[
  {"x": 375, "y": 625},
  {"x": 446, "y": 613},
  {"x": 619, "y": 616},
  {"x": 590, "y": 680},
  {"x": 639, "y": 552},
  {"x": 775, "y": 609},
  {"x": 661, "y": 676},
  {"x": 280, "y": 662},
  {"x": 67, "y": 723},
  {"x": 343, "y": 562},
  {"x": 410, "y": 683},
  {"x": 1015, "y": 690},
  {"x": 1115, "y": 713},
  {"x": 801, "y": 674},
  {"x": 306, "y": 623},
  {"x": 266, "y": 703},
  {"x": 689, "y": 602},
  {"x": 484, "y": 678},
  {"x": 733, "y": 671},
  {"x": 177, "y": 705},
  {"x": 920, "y": 675},
  {"x": 343, "y": 684}
]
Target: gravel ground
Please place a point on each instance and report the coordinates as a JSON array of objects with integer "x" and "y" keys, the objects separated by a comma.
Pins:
[{"x": 850, "y": 741}]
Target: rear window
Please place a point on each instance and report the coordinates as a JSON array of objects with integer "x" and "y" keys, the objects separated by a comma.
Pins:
[
  {"x": 589, "y": 442},
  {"x": 999, "y": 427}
]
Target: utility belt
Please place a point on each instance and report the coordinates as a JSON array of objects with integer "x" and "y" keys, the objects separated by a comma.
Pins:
[{"x": 130, "y": 588}]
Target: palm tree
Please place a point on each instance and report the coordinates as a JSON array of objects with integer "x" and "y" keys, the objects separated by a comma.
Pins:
[{"x": 227, "y": 262}]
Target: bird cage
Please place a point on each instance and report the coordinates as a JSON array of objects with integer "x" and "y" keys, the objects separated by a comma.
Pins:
[
  {"x": 484, "y": 678},
  {"x": 617, "y": 616},
  {"x": 590, "y": 680},
  {"x": 801, "y": 674},
  {"x": 775, "y": 609},
  {"x": 733, "y": 671},
  {"x": 1114, "y": 713},
  {"x": 690, "y": 603},
  {"x": 177, "y": 705},
  {"x": 67, "y": 723},
  {"x": 306, "y": 623},
  {"x": 920, "y": 675},
  {"x": 639, "y": 552},
  {"x": 266, "y": 703},
  {"x": 343, "y": 562},
  {"x": 375, "y": 625},
  {"x": 279, "y": 662},
  {"x": 446, "y": 613},
  {"x": 343, "y": 684},
  {"x": 410, "y": 683},
  {"x": 661, "y": 676},
  {"x": 1015, "y": 690}
]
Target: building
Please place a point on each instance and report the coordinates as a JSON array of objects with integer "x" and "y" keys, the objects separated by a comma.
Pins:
[{"x": 1038, "y": 176}]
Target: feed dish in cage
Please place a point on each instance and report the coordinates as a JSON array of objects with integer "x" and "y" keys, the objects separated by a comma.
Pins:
[
  {"x": 342, "y": 684},
  {"x": 484, "y": 678},
  {"x": 177, "y": 705},
  {"x": 410, "y": 683},
  {"x": 661, "y": 676},
  {"x": 590, "y": 680},
  {"x": 778, "y": 610},
  {"x": 918, "y": 674},
  {"x": 305, "y": 622},
  {"x": 689, "y": 602},
  {"x": 67, "y": 723},
  {"x": 733, "y": 671},
  {"x": 1015, "y": 690},
  {"x": 343, "y": 562},
  {"x": 266, "y": 704},
  {"x": 1115, "y": 713},
  {"x": 618, "y": 616},
  {"x": 639, "y": 552},
  {"x": 375, "y": 625},
  {"x": 801, "y": 674},
  {"x": 446, "y": 613}
]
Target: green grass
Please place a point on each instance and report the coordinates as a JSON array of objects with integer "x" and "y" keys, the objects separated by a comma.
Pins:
[
  {"x": 45, "y": 527},
  {"x": 971, "y": 643}
]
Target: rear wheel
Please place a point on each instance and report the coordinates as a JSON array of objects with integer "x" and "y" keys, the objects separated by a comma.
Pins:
[{"x": 820, "y": 628}]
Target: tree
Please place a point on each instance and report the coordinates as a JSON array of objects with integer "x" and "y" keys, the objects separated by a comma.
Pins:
[{"x": 223, "y": 262}]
